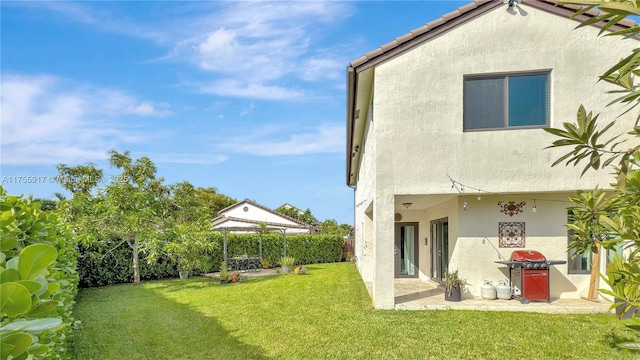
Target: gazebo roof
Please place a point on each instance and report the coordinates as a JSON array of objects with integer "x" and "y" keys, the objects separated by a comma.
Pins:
[{"x": 248, "y": 228}]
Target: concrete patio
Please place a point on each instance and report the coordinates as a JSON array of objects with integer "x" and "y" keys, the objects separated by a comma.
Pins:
[
  {"x": 248, "y": 274},
  {"x": 413, "y": 294}
]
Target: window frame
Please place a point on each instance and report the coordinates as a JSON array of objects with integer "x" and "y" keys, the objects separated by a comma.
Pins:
[
  {"x": 571, "y": 260},
  {"x": 505, "y": 104}
]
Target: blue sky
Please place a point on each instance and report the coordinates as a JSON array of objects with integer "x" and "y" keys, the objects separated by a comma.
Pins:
[{"x": 248, "y": 97}]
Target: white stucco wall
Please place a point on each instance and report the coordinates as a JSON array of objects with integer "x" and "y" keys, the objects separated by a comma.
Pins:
[
  {"x": 419, "y": 140},
  {"x": 418, "y": 104},
  {"x": 256, "y": 213},
  {"x": 363, "y": 197},
  {"x": 545, "y": 230}
]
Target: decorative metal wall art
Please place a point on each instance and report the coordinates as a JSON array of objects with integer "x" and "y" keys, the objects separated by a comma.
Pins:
[
  {"x": 511, "y": 208},
  {"x": 511, "y": 234}
]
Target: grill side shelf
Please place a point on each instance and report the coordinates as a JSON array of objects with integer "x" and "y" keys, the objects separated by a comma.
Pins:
[{"x": 511, "y": 264}]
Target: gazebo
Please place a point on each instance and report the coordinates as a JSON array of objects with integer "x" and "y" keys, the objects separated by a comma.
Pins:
[{"x": 261, "y": 228}]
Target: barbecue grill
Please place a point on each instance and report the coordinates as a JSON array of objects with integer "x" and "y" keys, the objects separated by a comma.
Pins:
[{"x": 529, "y": 272}]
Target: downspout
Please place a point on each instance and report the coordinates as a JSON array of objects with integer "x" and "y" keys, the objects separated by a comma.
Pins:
[
  {"x": 354, "y": 220},
  {"x": 351, "y": 80}
]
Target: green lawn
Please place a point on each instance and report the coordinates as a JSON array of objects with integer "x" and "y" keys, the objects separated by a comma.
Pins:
[{"x": 326, "y": 314}]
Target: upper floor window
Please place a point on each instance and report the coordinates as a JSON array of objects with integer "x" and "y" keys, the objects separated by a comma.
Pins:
[{"x": 506, "y": 101}]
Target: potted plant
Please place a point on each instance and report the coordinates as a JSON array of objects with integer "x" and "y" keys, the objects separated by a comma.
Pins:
[
  {"x": 348, "y": 255},
  {"x": 264, "y": 263},
  {"x": 224, "y": 273},
  {"x": 286, "y": 263},
  {"x": 234, "y": 276},
  {"x": 184, "y": 273},
  {"x": 454, "y": 286}
]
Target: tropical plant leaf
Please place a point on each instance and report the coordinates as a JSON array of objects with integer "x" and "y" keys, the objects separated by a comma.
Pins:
[
  {"x": 629, "y": 346},
  {"x": 14, "y": 345},
  {"x": 623, "y": 8},
  {"x": 32, "y": 326},
  {"x": 8, "y": 243},
  {"x": 15, "y": 299},
  {"x": 9, "y": 275},
  {"x": 44, "y": 307},
  {"x": 633, "y": 324},
  {"x": 32, "y": 286},
  {"x": 35, "y": 259}
]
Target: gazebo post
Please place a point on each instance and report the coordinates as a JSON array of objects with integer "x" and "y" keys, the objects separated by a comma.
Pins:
[
  {"x": 224, "y": 245},
  {"x": 284, "y": 242},
  {"x": 260, "y": 245}
]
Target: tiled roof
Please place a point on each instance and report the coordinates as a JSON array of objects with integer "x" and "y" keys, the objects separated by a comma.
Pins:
[
  {"x": 460, "y": 15},
  {"x": 429, "y": 31}
]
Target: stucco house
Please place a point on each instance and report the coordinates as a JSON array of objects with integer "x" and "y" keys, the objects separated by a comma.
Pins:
[
  {"x": 445, "y": 147},
  {"x": 249, "y": 214}
]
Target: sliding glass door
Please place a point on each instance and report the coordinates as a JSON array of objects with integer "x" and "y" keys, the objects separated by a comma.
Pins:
[
  {"x": 439, "y": 249},
  {"x": 406, "y": 250}
]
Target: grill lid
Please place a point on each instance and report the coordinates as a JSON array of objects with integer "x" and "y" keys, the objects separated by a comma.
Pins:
[{"x": 527, "y": 255}]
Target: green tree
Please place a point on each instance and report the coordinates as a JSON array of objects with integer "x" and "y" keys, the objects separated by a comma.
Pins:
[
  {"x": 308, "y": 218},
  {"x": 289, "y": 211},
  {"x": 214, "y": 200},
  {"x": 49, "y": 204},
  {"x": 295, "y": 213},
  {"x": 600, "y": 220},
  {"x": 129, "y": 207},
  {"x": 330, "y": 226},
  {"x": 188, "y": 226},
  {"x": 46, "y": 204}
]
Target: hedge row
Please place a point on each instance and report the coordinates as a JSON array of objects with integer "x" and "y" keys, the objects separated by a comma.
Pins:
[
  {"x": 116, "y": 266},
  {"x": 25, "y": 225},
  {"x": 305, "y": 248}
]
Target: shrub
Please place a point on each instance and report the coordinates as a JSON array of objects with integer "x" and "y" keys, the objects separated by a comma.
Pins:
[
  {"x": 305, "y": 248},
  {"x": 224, "y": 273},
  {"x": 105, "y": 263},
  {"x": 39, "y": 281},
  {"x": 99, "y": 267}
]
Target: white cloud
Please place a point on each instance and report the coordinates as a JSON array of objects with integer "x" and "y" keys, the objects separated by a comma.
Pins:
[
  {"x": 251, "y": 48},
  {"x": 234, "y": 88},
  {"x": 327, "y": 138},
  {"x": 148, "y": 109},
  {"x": 248, "y": 49},
  {"x": 48, "y": 120}
]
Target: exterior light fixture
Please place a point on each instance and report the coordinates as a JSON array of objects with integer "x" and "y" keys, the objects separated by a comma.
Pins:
[{"x": 407, "y": 205}]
